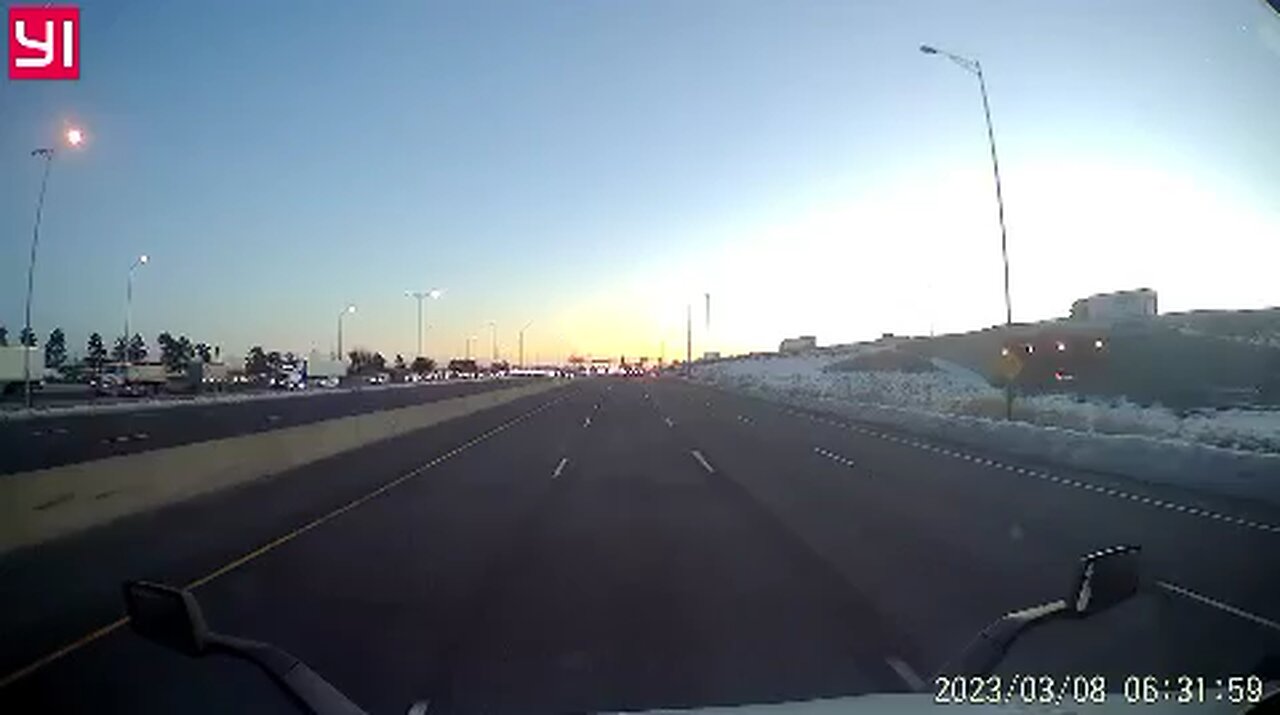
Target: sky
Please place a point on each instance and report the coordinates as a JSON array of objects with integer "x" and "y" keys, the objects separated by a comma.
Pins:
[{"x": 594, "y": 168}]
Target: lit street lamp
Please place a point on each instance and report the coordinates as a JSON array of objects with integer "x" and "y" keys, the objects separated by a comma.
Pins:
[
  {"x": 345, "y": 311},
  {"x": 128, "y": 302},
  {"x": 74, "y": 137},
  {"x": 433, "y": 294},
  {"x": 975, "y": 67}
]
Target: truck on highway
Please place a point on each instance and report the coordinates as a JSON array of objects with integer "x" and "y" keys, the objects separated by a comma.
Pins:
[
  {"x": 131, "y": 379},
  {"x": 12, "y": 369},
  {"x": 207, "y": 376},
  {"x": 323, "y": 372}
]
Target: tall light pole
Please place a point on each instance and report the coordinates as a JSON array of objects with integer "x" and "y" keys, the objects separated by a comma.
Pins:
[
  {"x": 975, "y": 67},
  {"x": 493, "y": 333},
  {"x": 526, "y": 327},
  {"x": 128, "y": 302},
  {"x": 345, "y": 311},
  {"x": 688, "y": 340},
  {"x": 74, "y": 137},
  {"x": 470, "y": 338},
  {"x": 433, "y": 294}
]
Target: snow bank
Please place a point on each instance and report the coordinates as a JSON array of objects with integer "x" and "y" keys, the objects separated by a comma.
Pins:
[{"x": 1235, "y": 452}]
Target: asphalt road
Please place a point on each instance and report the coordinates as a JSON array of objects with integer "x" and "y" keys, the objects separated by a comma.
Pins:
[
  {"x": 50, "y": 441},
  {"x": 629, "y": 544}
]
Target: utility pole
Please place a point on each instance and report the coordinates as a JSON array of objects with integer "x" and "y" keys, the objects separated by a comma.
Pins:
[{"x": 688, "y": 340}]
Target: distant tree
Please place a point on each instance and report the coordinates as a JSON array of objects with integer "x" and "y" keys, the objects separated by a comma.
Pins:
[
  {"x": 95, "y": 352},
  {"x": 399, "y": 363},
  {"x": 4, "y": 336},
  {"x": 175, "y": 353},
  {"x": 423, "y": 365},
  {"x": 378, "y": 363},
  {"x": 27, "y": 337},
  {"x": 256, "y": 362},
  {"x": 55, "y": 349},
  {"x": 120, "y": 350},
  {"x": 137, "y": 348},
  {"x": 203, "y": 352}
]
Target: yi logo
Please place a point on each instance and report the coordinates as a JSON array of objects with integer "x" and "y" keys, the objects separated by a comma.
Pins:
[{"x": 44, "y": 42}]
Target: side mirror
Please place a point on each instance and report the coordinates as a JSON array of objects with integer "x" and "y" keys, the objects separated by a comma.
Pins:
[
  {"x": 166, "y": 615},
  {"x": 1106, "y": 578}
]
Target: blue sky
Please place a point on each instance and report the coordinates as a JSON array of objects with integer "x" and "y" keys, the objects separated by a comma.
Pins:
[{"x": 595, "y": 166}]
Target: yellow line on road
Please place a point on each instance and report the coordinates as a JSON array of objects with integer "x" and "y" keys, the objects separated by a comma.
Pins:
[{"x": 272, "y": 545}]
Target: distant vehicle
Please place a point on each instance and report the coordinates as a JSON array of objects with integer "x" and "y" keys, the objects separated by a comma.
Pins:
[
  {"x": 321, "y": 372},
  {"x": 205, "y": 376},
  {"x": 463, "y": 368},
  {"x": 12, "y": 372},
  {"x": 131, "y": 379}
]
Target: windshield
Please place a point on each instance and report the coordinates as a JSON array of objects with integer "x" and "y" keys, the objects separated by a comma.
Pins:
[{"x": 597, "y": 356}]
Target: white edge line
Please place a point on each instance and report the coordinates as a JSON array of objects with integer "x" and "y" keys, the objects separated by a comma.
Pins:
[
  {"x": 703, "y": 461},
  {"x": 560, "y": 467},
  {"x": 1181, "y": 591},
  {"x": 908, "y": 675}
]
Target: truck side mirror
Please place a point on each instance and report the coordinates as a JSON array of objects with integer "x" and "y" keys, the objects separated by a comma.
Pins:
[
  {"x": 166, "y": 615},
  {"x": 1106, "y": 578}
]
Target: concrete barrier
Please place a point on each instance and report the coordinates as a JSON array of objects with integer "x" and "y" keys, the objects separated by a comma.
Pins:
[{"x": 40, "y": 505}]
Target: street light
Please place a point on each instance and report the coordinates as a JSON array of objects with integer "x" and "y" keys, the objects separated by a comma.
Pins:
[
  {"x": 526, "y": 327},
  {"x": 433, "y": 294},
  {"x": 975, "y": 67},
  {"x": 345, "y": 311},
  {"x": 493, "y": 332},
  {"x": 74, "y": 137},
  {"x": 470, "y": 339},
  {"x": 128, "y": 303}
]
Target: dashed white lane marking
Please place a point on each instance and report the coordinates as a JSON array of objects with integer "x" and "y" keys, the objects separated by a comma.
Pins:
[
  {"x": 141, "y": 435},
  {"x": 834, "y": 457},
  {"x": 1214, "y": 603},
  {"x": 907, "y": 673},
  {"x": 744, "y": 419},
  {"x": 1064, "y": 481},
  {"x": 669, "y": 422},
  {"x": 273, "y": 418},
  {"x": 559, "y": 467},
  {"x": 587, "y": 421},
  {"x": 703, "y": 461}
]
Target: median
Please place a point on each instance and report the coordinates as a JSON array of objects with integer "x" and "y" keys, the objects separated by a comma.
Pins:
[{"x": 44, "y": 504}]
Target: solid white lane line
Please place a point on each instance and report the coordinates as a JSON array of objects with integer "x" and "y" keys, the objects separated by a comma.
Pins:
[
  {"x": 1181, "y": 591},
  {"x": 703, "y": 461},
  {"x": 907, "y": 673},
  {"x": 560, "y": 467}
]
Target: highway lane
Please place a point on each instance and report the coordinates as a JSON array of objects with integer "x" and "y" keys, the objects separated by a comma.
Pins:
[
  {"x": 628, "y": 544},
  {"x": 960, "y": 536},
  {"x": 50, "y": 441}
]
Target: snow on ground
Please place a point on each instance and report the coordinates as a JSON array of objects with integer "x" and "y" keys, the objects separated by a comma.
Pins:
[{"x": 1234, "y": 451}]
